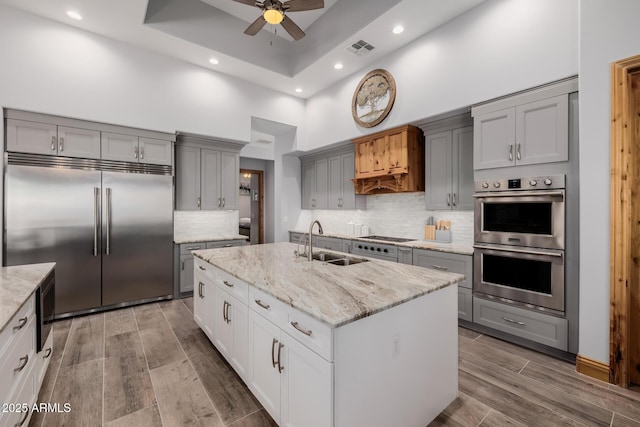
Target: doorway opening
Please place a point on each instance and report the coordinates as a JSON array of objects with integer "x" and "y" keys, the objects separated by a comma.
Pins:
[
  {"x": 624, "y": 349},
  {"x": 251, "y": 205}
]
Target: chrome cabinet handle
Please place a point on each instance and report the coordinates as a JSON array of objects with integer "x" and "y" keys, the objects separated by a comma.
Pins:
[
  {"x": 48, "y": 353},
  {"x": 108, "y": 251},
  {"x": 141, "y": 153},
  {"x": 193, "y": 248},
  {"x": 200, "y": 289},
  {"x": 273, "y": 356},
  {"x": 306, "y": 332},
  {"x": 24, "y": 361},
  {"x": 280, "y": 367},
  {"x": 135, "y": 152},
  {"x": 224, "y": 202},
  {"x": 227, "y": 246},
  {"x": 219, "y": 202},
  {"x": 24, "y": 419},
  {"x": 518, "y": 151},
  {"x": 228, "y": 283},
  {"x": 224, "y": 311},
  {"x": 228, "y": 319},
  {"x": 454, "y": 199},
  {"x": 448, "y": 199},
  {"x": 404, "y": 249},
  {"x": 263, "y": 305},
  {"x": 96, "y": 217},
  {"x": 202, "y": 268},
  {"x": 53, "y": 143},
  {"x": 182, "y": 266},
  {"x": 439, "y": 267},
  {"x": 61, "y": 144},
  {"x": 21, "y": 323},
  {"x": 313, "y": 203},
  {"x": 510, "y": 152},
  {"x": 506, "y": 319},
  {"x": 198, "y": 201}
]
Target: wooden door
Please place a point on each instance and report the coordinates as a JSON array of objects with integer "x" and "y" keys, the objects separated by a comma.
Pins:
[
  {"x": 396, "y": 152},
  {"x": 379, "y": 154},
  {"x": 363, "y": 160}
]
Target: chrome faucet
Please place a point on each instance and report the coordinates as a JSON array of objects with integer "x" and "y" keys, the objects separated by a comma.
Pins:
[{"x": 310, "y": 253}]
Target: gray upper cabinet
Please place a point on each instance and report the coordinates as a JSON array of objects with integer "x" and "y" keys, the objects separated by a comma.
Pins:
[
  {"x": 206, "y": 179},
  {"x": 50, "y": 139},
  {"x": 531, "y": 133},
  {"x": 322, "y": 184},
  {"x": 308, "y": 185},
  {"x": 341, "y": 191},
  {"x": 131, "y": 148}
]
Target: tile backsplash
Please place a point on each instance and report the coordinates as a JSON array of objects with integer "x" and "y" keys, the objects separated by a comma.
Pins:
[
  {"x": 196, "y": 224},
  {"x": 398, "y": 215}
]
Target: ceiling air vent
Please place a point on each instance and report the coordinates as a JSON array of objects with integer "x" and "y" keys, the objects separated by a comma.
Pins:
[{"x": 360, "y": 48}]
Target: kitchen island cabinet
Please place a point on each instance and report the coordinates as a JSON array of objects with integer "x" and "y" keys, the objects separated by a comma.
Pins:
[{"x": 332, "y": 345}]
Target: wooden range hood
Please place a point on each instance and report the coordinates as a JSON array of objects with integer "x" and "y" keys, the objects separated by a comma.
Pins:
[{"x": 391, "y": 161}]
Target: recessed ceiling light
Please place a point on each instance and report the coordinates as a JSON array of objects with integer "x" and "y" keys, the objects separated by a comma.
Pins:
[
  {"x": 74, "y": 15},
  {"x": 338, "y": 66},
  {"x": 398, "y": 29},
  {"x": 298, "y": 90},
  {"x": 214, "y": 61}
]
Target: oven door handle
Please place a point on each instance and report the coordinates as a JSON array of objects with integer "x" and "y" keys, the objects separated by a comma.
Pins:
[
  {"x": 522, "y": 251},
  {"x": 520, "y": 194}
]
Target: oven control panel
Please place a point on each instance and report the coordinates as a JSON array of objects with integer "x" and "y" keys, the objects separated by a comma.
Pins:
[{"x": 526, "y": 183}]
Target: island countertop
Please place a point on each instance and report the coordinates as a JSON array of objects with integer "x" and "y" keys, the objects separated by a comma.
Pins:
[
  {"x": 335, "y": 295},
  {"x": 17, "y": 284}
]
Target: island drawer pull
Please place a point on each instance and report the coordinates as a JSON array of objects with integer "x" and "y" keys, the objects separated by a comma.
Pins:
[
  {"x": 24, "y": 361},
  {"x": 193, "y": 248},
  {"x": 506, "y": 319},
  {"x": 24, "y": 419},
  {"x": 273, "y": 356},
  {"x": 280, "y": 367},
  {"x": 227, "y": 283},
  {"x": 227, "y": 246},
  {"x": 21, "y": 323},
  {"x": 404, "y": 249},
  {"x": 200, "y": 288},
  {"x": 202, "y": 268},
  {"x": 48, "y": 353},
  {"x": 263, "y": 305},
  {"x": 439, "y": 267},
  {"x": 295, "y": 325}
]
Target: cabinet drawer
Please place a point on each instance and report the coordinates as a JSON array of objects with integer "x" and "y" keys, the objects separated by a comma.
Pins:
[
  {"x": 16, "y": 363},
  {"x": 443, "y": 261},
  {"x": 268, "y": 306},
  {"x": 232, "y": 285},
  {"x": 224, "y": 244},
  {"x": 186, "y": 248},
  {"x": 10, "y": 331},
  {"x": 327, "y": 243},
  {"x": 295, "y": 237},
  {"x": 311, "y": 332},
  {"x": 205, "y": 269},
  {"x": 538, "y": 327},
  {"x": 465, "y": 304},
  {"x": 42, "y": 363}
]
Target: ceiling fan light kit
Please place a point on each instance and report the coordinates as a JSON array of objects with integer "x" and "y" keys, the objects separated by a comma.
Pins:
[{"x": 273, "y": 12}]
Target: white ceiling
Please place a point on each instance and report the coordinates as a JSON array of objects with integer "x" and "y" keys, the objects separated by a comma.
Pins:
[{"x": 197, "y": 30}]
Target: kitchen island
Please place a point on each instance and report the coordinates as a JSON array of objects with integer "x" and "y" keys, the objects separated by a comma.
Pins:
[{"x": 372, "y": 343}]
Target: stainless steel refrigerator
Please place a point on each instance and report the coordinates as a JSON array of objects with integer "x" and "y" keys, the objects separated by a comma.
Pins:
[{"x": 107, "y": 225}]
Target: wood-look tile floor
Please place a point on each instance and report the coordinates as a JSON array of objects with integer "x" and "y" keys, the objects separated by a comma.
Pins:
[{"x": 152, "y": 366}]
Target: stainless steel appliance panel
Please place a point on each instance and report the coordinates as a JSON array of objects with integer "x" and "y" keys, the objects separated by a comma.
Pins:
[
  {"x": 137, "y": 236},
  {"x": 50, "y": 215}
]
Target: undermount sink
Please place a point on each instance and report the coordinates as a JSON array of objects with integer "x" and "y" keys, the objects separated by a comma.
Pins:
[{"x": 337, "y": 259}]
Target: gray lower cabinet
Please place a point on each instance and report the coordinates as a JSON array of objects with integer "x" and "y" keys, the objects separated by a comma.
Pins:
[
  {"x": 538, "y": 327},
  {"x": 295, "y": 237},
  {"x": 186, "y": 262},
  {"x": 405, "y": 255},
  {"x": 330, "y": 243},
  {"x": 465, "y": 304}
]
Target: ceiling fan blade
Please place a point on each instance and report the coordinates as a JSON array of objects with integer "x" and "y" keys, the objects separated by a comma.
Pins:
[
  {"x": 256, "y": 26},
  {"x": 301, "y": 5},
  {"x": 291, "y": 28},
  {"x": 249, "y": 2}
]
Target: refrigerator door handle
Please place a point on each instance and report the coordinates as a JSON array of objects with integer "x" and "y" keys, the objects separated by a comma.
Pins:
[
  {"x": 96, "y": 193},
  {"x": 108, "y": 221}
]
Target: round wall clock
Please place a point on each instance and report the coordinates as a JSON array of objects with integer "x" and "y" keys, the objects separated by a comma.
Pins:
[{"x": 373, "y": 98}]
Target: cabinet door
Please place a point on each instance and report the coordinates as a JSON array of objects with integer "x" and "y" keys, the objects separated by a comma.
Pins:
[
  {"x": 307, "y": 386},
  {"x": 204, "y": 304},
  {"x": 438, "y": 174},
  {"x": 335, "y": 183},
  {"x": 348, "y": 173},
  {"x": 465, "y": 304},
  {"x": 186, "y": 273},
  {"x": 74, "y": 142},
  {"x": 405, "y": 255},
  {"x": 494, "y": 139},
  {"x": 364, "y": 161},
  {"x": 119, "y": 147},
  {"x": 229, "y": 179},
  {"x": 308, "y": 185},
  {"x": 31, "y": 137},
  {"x": 238, "y": 315},
  {"x": 264, "y": 377},
  {"x": 462, "y": 168},
  {"x": 322, "y": 184},
  {"x": 187, "y": 178},
  {"x": 380, "y": 161},
  {"x": 542, "y": 131},
  {"x": 223, "y": 331},
  {"x": 209, "y": 180},
  {"x": 396, "y": 155},
  {"x": 155, "y": 151}
]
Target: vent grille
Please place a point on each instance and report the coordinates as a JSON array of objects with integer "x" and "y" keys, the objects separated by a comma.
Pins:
[{"x": 360, "y": 48}]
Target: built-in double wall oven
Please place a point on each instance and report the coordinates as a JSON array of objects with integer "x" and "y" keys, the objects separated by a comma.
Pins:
[{"x": 519, "y": 241}]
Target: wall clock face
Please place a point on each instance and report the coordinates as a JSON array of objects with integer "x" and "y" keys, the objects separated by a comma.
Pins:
[{"x": 373, "y": 98}]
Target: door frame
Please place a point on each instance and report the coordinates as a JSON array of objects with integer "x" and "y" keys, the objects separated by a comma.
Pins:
[
  {"x": 260, "y": 201},
  {"x": 624, "y": 206}
]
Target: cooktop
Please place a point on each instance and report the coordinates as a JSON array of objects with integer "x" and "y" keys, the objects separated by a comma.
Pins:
[{"x": 387, "y": 238}]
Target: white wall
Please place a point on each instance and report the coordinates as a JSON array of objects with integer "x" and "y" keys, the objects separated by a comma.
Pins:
[
  {"x": 269, "y": 216},
  {"x": 607, "y": 33},
  {"x": 497, "y": 48}
]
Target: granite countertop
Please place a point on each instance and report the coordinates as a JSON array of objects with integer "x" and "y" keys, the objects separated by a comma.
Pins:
[
  {"x": 333, "y": 294},
  {"x": 200, "y": 239},
  {"x": 455, "y": 248},
  {"x": 17, "y": 284}
]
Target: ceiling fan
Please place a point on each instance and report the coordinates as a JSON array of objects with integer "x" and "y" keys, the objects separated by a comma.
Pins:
[{"x": 273, "y": 12}]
